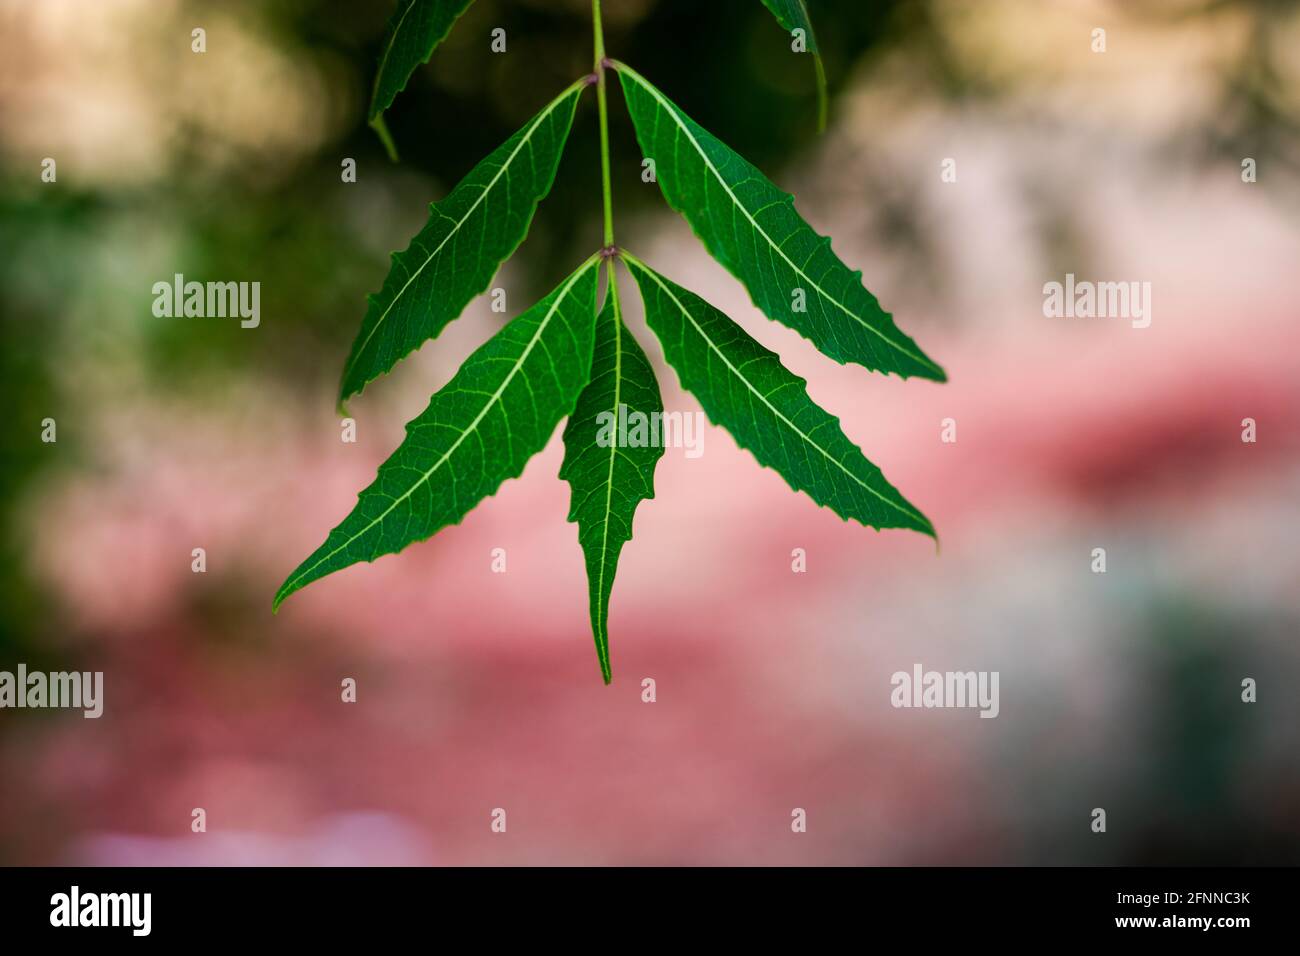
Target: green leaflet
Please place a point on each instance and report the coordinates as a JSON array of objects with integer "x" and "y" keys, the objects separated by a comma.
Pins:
[
  {"x": 416, "y": 27},
  {"x": 745, "y": 388},
  {"x": 751, "y": 227},
  {"x": 793, "y": 15},
  {"x": 496, "y": 413},
  {"x": 609, "y": 481},
  {"x": 469, "y": 234}
]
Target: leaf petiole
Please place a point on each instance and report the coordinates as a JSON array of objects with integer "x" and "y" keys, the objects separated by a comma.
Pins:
[{"x": 598, "y": 34}]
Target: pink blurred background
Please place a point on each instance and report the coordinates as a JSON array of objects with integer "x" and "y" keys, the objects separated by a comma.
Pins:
[{"x": 479, "y": 690}]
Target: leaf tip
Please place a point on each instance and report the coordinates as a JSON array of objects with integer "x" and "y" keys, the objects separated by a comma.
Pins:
[
  {"x": 822, "y": 97},
  {"x": 286, "y": 589},
  {"x": 926, "y": 527},
  {"x": 381, "y": 130}
]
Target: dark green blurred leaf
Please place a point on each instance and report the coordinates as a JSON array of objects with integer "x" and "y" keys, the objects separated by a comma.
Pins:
[
  {"x": 793, "y": 15},
  {"x": 417, "y": 26}
]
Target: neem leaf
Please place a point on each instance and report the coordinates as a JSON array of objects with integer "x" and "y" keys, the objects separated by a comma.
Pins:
[
  {"x": 497, "y": 412},
  {"x": 609, "y": 477},
  {"x": 745, "y": 388},
  {"x": 469, "y": 234},
  {"x": 416, "y": 27},
  {"x": 793, "y": 15},
  {"x": 751, "y": 227}
]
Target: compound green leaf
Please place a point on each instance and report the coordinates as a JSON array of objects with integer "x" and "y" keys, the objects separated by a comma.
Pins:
[
  {"x": 751, "y": 227},
  {"x": 469, "y": 234},
  {"x": 497, "y": 412},
  {"x": 609, "y": 475},
  {"x": 745, "y": 388},
  {"x": 793, "y": 15},
  {"x": 416, "y": 27}
]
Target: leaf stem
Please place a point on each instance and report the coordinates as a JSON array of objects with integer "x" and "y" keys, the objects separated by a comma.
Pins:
[
  {"x": 821, "y": 92},
  {"x": 598, "y": 35}
]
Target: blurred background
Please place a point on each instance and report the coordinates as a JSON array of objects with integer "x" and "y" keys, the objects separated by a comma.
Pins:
[{"x": 479, "y": 690}]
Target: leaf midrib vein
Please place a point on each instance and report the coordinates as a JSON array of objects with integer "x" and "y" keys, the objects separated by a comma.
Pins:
[{"x": 609, "y": 480}]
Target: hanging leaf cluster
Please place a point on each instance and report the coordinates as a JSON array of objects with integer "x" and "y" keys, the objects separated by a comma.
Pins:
[{"x": 570, "y": 356}]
